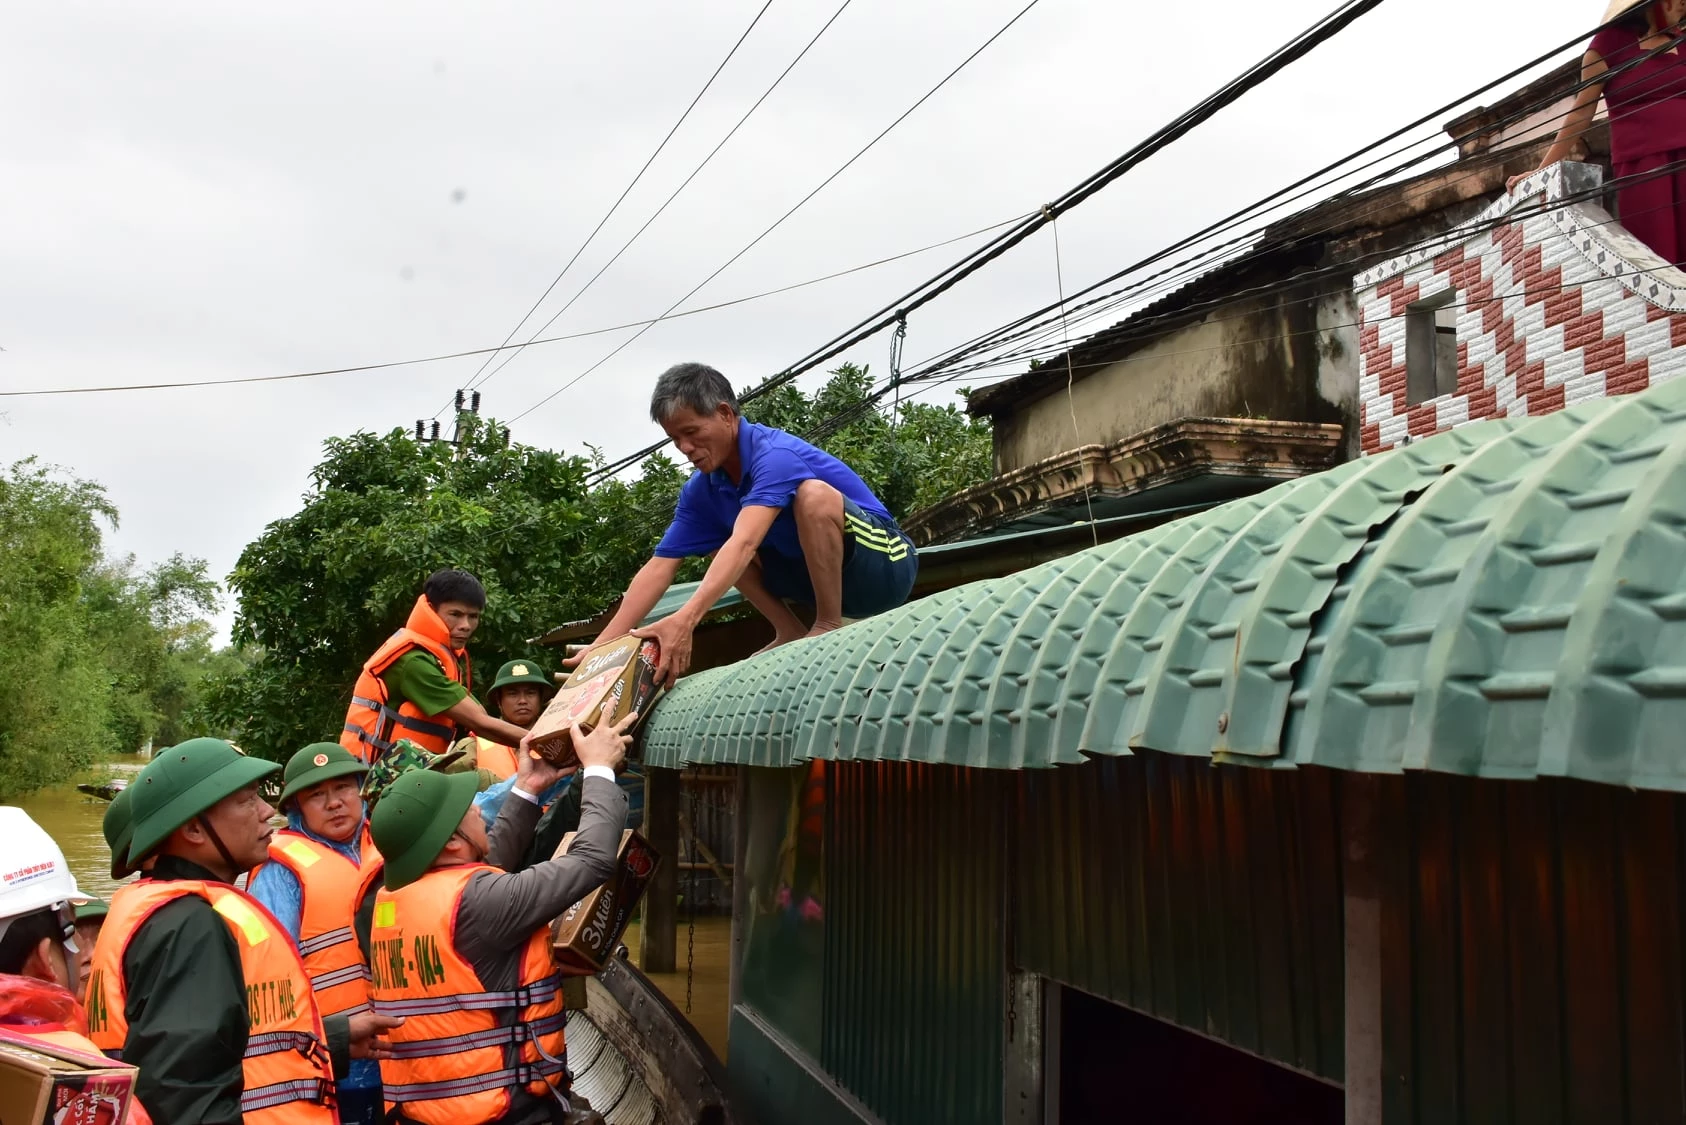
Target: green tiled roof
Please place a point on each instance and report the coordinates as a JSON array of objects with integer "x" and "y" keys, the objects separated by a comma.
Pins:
[{"x": 1506, "y": 600}]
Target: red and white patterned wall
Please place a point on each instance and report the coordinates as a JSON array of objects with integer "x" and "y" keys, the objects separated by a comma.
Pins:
[{"x": 1556, "y": 305}]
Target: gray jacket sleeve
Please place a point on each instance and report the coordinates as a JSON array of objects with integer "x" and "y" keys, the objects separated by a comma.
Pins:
[
  {"x": 500, "y": 911},
  {"x": 512, "y": 832}
]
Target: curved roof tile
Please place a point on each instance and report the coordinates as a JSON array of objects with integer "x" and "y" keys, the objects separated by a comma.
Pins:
[{"x": 1506, "y": 599}]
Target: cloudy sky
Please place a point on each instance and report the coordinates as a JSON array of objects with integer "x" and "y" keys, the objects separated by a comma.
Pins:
[{"x": 212, "y": 191}]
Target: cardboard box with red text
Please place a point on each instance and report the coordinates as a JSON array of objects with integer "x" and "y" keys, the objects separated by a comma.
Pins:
[
  {"x": 586, "y": 935},
  {"x": 45, "y": 1084},
  {"x": 621, "y": 672}
]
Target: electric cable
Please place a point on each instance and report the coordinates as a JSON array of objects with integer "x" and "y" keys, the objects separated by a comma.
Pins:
[
  {"x": 627, "y": 245},
  {"x": 1295, "y": 49},
  {"x": 607, "y": 215}
]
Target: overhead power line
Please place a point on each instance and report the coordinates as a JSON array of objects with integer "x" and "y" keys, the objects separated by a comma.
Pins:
[
  {"x": 607, "y": 215},
  {"x": 627, "y": 245},
  {"x": 844, "y": 167},
  {"x": 1050, "y": 323},
  {"x": 1296, "y": 48},
  {"x": 506, "y": 346}
]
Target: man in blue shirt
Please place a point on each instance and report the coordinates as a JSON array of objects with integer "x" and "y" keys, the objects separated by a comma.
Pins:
[{"x": 782, "y": 519}]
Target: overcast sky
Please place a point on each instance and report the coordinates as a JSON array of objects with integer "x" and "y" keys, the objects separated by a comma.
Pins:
[{"x": 207, "y": 191}]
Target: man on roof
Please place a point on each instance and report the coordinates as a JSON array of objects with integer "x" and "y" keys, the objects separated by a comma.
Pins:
[
  {"x": 518, "y": 695},
  {"x": 782, "y": 520},
  {"x": 416, "y": 685}
]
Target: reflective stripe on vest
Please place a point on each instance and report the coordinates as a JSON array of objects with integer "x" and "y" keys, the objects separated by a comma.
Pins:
[
  {"x": 495, "y": 756},
  {"x": 372, "y": 726},
  {"x": 286, "y": 1073},
  {"x": 331, "y": 888},
  {"x": 463, "y": 1049}
]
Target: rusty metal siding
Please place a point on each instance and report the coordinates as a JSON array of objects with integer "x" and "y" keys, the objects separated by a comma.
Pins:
[
  {"x": 1210, "y": 898},
  {"x": 1535, "y": 954},
  {"x": 914, "y": 977}
]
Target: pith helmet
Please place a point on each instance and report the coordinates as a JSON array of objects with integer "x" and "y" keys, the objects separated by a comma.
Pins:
[
  {"x": 316, "y": 763},
  {"x": 520, "y": 672},
  {"x": 402, "y": 758},
  {"x": 184, "y": 781},
  {"x": 93, "y": 910},
  {"x": 415, "y": 819},
  {"x": 119, "y": 829}
]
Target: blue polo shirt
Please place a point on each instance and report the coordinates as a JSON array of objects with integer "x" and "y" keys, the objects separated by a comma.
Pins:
[{"x": 774, "y": 465}]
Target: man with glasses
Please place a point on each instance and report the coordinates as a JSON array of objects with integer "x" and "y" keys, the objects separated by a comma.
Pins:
[
  {"x": 38, "y": 901},
  {"x": 460, "y": 949}
]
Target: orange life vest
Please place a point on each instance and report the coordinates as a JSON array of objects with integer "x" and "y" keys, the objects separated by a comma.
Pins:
[
  {"x": 462, "y": 1049},
  {"x": 333, "y": 887},
  {"x": 288, "y": 1076},
  {"x": 371, "y": 727},
  {"x": 494, "y": 756}
]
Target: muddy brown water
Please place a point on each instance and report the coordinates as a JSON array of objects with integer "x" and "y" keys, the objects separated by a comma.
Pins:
[{"x": 74, "y": 820}]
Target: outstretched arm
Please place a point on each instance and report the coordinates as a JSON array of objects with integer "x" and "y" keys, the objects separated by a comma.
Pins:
[
  {"x": 674, "y": 631},
  {"x": 1579, "y": 118},
  {"x": 642, "y": 594},
  {"x": 467, "y": 712}
]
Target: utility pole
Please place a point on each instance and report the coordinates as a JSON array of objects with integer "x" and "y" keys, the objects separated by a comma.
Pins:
[{"x": 467, "y": 414}]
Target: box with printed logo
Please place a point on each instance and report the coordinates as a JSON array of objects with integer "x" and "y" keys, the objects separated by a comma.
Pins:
[
  {"x": 44, "y": 1083},
  {"x": 586, "y": 935},
  {"x": 621, "y": 672}
]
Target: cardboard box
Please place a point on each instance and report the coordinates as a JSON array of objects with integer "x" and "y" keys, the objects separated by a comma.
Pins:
[
  {"x": 586, "y": 935},
  {"x": 621, "y": 672},
  {"x": 45, "y": 1084}
]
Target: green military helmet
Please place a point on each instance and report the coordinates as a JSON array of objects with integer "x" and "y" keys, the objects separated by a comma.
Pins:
[
  {"x": 403, "y": 757},
  {"x": 416, "y": 817},
  {"x": 520, "y": 672},
  {"x": 182, "y": 782},
  {"x": 119, "y": 829},
  {"x": 316, "y": 763},
  {"x": 93, "y": 910}
]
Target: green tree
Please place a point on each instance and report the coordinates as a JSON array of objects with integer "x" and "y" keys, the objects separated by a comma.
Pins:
[{"x": 97, "y": 658}]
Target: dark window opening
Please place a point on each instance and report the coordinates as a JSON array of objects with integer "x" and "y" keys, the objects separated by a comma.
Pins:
[
  {"x": 1124, "y": 1068},
  {"x": 1431, "y": 348}
]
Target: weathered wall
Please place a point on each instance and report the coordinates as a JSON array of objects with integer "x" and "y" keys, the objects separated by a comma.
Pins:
[
  {"x": 1289, "y": 357},
  {"x": 1558, "y": 306}
]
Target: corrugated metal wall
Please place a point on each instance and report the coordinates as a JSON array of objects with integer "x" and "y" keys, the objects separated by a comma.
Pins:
[
  {"x": 1207, "y": 897},
  {"x": 1534, "y": 973},
  {"x": 914, "y": 979}
]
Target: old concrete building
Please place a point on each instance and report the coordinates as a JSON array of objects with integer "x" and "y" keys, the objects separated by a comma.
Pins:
[{"x": 1247, "y": 375}]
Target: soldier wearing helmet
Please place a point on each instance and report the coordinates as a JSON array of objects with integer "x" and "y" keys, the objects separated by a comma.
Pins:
[
  {"x": 461, "y": 949},
  {"x": 194, "y": 982}
]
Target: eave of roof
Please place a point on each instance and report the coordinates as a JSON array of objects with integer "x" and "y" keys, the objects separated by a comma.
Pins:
[{"x": 1505, "y": 600}]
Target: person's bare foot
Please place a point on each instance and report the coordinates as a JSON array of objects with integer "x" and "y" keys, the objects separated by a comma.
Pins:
[
  {"x": 776, "y": 642},
  {"x": 821, "y": 627}
]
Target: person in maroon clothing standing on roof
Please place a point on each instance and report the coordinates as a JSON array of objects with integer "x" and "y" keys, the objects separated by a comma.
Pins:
[{"x": 1639, "y": 69}]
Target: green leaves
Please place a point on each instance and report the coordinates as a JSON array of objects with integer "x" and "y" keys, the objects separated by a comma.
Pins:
[{"x": 97, "y": 658}]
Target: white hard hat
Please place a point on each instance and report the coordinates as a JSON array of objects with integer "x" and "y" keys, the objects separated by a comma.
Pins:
[{"x": 33, "y": 873}]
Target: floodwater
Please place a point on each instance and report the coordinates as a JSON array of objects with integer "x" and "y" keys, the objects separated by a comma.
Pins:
[
  {"x": 709, "y": 1007},
  {"x": 74, "y": 820}
]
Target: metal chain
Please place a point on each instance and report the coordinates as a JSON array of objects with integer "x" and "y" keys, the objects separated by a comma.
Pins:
[{"x": 691, "y": 900}]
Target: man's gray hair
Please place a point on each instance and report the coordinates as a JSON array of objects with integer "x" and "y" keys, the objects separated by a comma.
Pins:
[{"x": 696, "y": 385}]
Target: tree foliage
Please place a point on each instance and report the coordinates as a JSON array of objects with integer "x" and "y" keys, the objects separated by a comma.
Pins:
[
  {"x": 97, "y": 657},
  {"x": 320, "y": 590}
]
